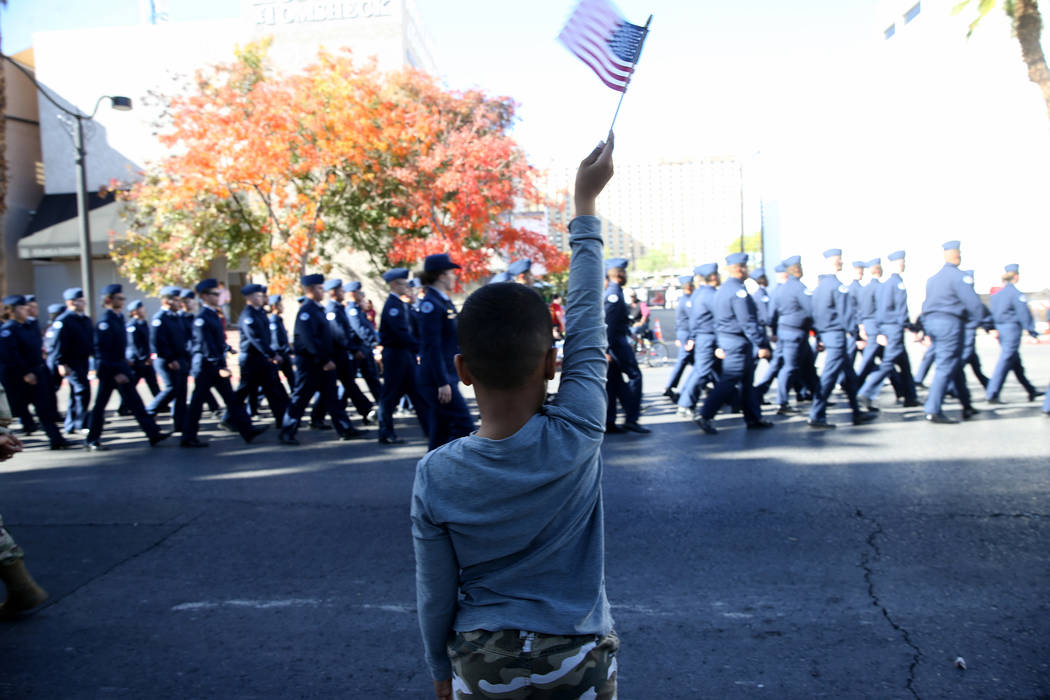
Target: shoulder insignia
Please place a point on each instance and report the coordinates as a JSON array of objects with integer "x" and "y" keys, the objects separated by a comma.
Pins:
[
  {"x": 394, "y": 312},
  {"x": 103, "y": 326},
  {"x": 353, "y": 312},
  {"x": 155, "y": 322},
  {"x": 742, "y": 293},
  {"x": 49, "y": 334},
  {"x": 131, "y": 327},
  {"x": 612, "y": 298},
  {"x": 273, "y": 326},
  {"x": 900, "y": 285},
  {"x": 967, "y": 279},
  {"x": 304, "y": 316},
  {"x": 199, "y": 322},
  {"x": 56, "y": 325},
  {"x": 1022, "y": 298},
  {"x": 5, "y": 334},
  {"x": 249, "y": 321},
  {"x": 426, "y": 307},
  {"x": 330, "y": 315}
]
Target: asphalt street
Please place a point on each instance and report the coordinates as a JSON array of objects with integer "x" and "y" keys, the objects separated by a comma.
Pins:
[{"x": 788, "y": 563}]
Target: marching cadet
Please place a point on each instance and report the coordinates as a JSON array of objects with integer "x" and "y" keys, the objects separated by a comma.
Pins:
[
  {"x": 315, "y": 364},
  {"x": 399, "y": 357},
  {"x": 681, "y": 331},
  {"x": 520, "y": 271},
  {"x": 831, "y": 316},
  {"x": 867, "y": 311},
  {"x": 279, "y": 338},
  {"x": 71, "y": 351},
  {"x": 257, "y": 358},
  {"x": 741, "y": 339},
  {"x": 53, "y": 312},
  {"x": 622, "y": 360},
  {"x": 168, "y": 341},
  {"x": 950, "y": 301},
  {"x": 969, "y": 351},
  {"x": 25, "y": 378},
  {"x": 892, "y": 319},
  {"x": 1012, "y": 318},
  {"x": 794, "y": 320},
  {"x": 776, "y": 361},
  {"x": 138, "y": 352},
  {"x": 348, "y": 353},
  {"x": 449, "y": 417},
  {"x": 114, "y": 372},
  {"x": 701, "y": 341},
  {"x": 369, "y": 337},
  {"x": 34, "y": 312},
  {"x": 853, "y": 341},
  {"x": 208, "y": 369},
  {"x": 188, "y": 315},
  {"x": 763, "y": 299}
]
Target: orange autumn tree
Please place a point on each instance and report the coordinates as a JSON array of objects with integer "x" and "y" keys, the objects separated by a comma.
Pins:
[{"x": 284, "y": 172}]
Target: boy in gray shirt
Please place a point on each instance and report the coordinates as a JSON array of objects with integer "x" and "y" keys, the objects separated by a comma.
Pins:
[{"x": 507, "y": 522}]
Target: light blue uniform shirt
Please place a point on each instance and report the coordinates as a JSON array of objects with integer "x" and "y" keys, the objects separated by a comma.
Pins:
[{"x": 509, "y": 534}]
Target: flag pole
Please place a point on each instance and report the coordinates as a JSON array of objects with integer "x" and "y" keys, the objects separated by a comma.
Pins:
[{"x": 633, "y": 64}]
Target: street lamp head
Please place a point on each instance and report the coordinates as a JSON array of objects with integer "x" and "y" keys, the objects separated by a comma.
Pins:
[{"x": 121, "y": 104}]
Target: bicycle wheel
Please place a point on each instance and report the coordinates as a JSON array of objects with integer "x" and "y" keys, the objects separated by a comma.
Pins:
[{"x": 657, "y": 355}]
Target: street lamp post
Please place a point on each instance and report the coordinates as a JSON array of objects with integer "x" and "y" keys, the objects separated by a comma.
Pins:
[{"x": 122, "y": 104}]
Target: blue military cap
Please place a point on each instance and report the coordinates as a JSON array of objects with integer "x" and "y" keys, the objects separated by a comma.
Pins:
[
  {"x": 252, "y": 289},
  {"x": 780, "y": 268},
  {"x": 860, "y": 263},
  {"x": 896, "y": 255},
  {"x": 55, "y": 308},
  {"x": 274, "y": 299},
  {"x": 15, "y": 300},
  {"x": 415, "y": 283},
  {"x": 315, "y": 278},
  {"x": 333, "y": 283},
  {"x": 832, "y": 252},
  {"x": 1012, "y": 267},
  {"x": 187, "y": 294},
  {"x": 170, "y": 291},
  {"x": 500, "y": 277},
  {"x": 736, "y": 259},
  {"x": 952, "y": 245},
  {"x": 519, "y": 267},
  {"x": 793, "y": 260},
  {"x": 207, "y": 284},
  {"x": 685, "y": 279},
  {"x": 30, "y": 298},
  {"x": 352, "y": 286},
  {"x": 439, "y": 262},
  {"x": 137, "y": 304},
  {"x": 758, "y": 272},
  {"x": 613, "y": 263},
  {"x": 111, "y": 289},
  {"x": 73, "y": 293},
  {"x": 875, "y": 261},
  {"x": 398, "y": 273},
  {"x": 707, "y": 269}
]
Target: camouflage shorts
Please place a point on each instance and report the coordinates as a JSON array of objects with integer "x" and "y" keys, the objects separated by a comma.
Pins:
[
  {"x": 9, "y": 549},
  {"x": 513, "y": 664}
]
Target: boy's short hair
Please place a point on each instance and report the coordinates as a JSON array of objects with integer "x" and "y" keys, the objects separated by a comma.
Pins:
[{"x": 504, "y": 331}]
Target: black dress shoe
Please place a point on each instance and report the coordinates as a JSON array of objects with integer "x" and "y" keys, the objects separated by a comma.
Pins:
[
  {"x": 159, "y": 437},
  {"x": 391, "y": 441},
  {"x": 95, "y": 447},
  {"x": 255, "y": 432},
  {"x": 705, "y": 425},
  {"x": 63, "y": 445},
  {"x": 636, "y": 428},
  {"x": 820, "y": 425},
  {"x": 319, "y": 425},
  {"x": 861, "y": 418},
  {"x": 911, "y": 403},
  {"x": 867, "y": 404},
  {"x": 192, "y": 442},
  {"x": 940, "y": 418},
  {"x": 996, "y": 401},
  {"x": 969, "y": 412},
  {"x": 786, "y": 410},
  {"x": 671, "y": 394},
  {"x": 351, "y": 433},
  {"x": 612, "y": 428},
  {"x": 1035, "y": 395},
  {"x": 759, "y": 425}
]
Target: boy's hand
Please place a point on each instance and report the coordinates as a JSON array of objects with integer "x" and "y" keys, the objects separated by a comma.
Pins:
[
  {"x": 594, "y": 173},
  {"x": 443, "y": 689}
]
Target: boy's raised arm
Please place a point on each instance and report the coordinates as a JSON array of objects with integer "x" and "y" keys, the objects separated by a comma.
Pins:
[{"x": 582, "y": 388}]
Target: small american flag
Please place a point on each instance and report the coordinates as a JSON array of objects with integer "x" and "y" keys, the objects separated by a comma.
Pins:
[{"x": 600, "y": 37}]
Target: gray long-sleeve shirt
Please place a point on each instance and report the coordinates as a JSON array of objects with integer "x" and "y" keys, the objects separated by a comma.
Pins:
[{"x": 509, "y": 534}]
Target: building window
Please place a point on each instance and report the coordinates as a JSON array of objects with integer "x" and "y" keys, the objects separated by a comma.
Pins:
[
  {"x": 890, "y": 31},
  {"x": 913, "y": 12}
]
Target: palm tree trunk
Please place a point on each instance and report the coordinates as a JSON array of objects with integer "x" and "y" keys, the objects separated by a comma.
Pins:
[{"x": 1028, "y": 26}]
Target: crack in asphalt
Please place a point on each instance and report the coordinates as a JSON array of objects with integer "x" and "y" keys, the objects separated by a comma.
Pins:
[
  {"x": 869, "y": 575},
  {"x": 125, "y": 560}
]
